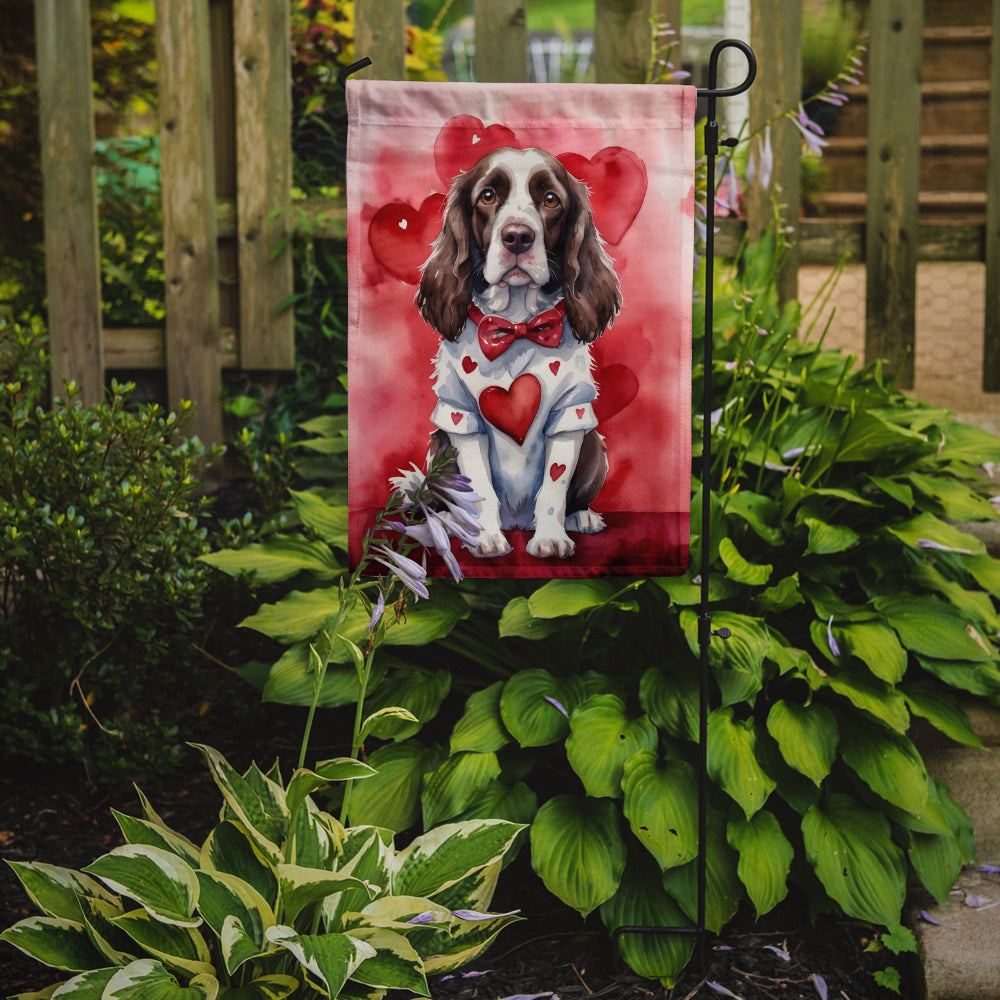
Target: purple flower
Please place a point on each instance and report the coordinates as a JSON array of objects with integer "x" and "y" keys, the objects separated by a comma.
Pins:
[
  {"x": 780, "y": 952},
  {"x": 834, "y": 648},
  {"x": 475, "y": 915},
  {"x": 558, "y": 705},
  {"x": 820, "y": 983},
  {"x": 927, "y": 543},
  {"x": 411, "y": 574},
  {"x": 427, "y": 917},
  {"x": 719, "y": 988},
  {"x": 761, "y": 162},
  {"x": 377, "y": 611},
  {"x": 811, "y": 132}
]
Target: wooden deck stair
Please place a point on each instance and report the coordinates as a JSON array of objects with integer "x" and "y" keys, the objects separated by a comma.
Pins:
[{"x": 955, "y": 92}]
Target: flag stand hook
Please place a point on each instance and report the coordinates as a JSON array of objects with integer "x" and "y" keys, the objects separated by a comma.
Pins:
[{"x": 705, "y": 630}]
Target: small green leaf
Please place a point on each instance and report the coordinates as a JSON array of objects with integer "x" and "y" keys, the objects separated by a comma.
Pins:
[
  {"x": 481, "y": 727},
  {"x": 535, "y": 706},
  {"x": 279, "y": 558},
  {"x": 828, "y": 539},
  {"x": 456, "y": 784},
  {"x": 562, "y": 598},
  {"x": 671, "y": 699},
  {"x": 328, "y": 521},
  {"x": 932, "y": 628},
  {"x": 765, "y": 858},
  {"x": 732, "y": 760},
  {"x": 391, "y": 798},
  {"x": 807, "y": 736},
  {"x": 739, "y": 569},
  {"x": 888, "y": 763}
]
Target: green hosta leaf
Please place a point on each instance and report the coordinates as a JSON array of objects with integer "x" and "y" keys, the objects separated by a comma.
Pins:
[
  {"x": 147, "y": 979},
  {"x": 417, "y": 690},
  {"x": 723, "y": 889},
  {"x": 741, "y": 571},
  {"x": 684, "y": 592},
  {"x": 850, "y": 847},
  {"x": 438, "y": 859},
  {"x": 578, "y": 851},
  {"x": 928, "y": 528},
  {"x": 828, "y": 539},
  {"x": 226, "y": 898},
  {"x": 976, "y": 678},
  {"x": 866, "y": 692},
  {"x": 456, "y": 784},
  {"x": 602, "y": 738},
  {"x": 807, "y": 736},
  {"x": 304, "y": 782},
  {"x": 279, "y": 558},
  {"x": 56, "y": 891},
  {"x": 230, "y": 849},
  {"x": 888, "y": 763},
  {"x": 941, "y": 709},
  {"x": 515, "y": 803},
  {"x": 957, "y": 501},
  {"x": 391, "y": 798},
  {"x": 330, "y": 959},
  {"x": 274, "y": 987},
  {"x": 54, "y": 941},
  {"x": 481, "y": 728},
  {"x": 517, "y": 620},
  {"x": 530, "y": 706},
  {"x": 395, "y": 964},
  {"x": 783, "y": 595},
  {"x": 965, "y": 443},
  {"x": 931, "y": 628},
  {"x": 661, "y": 798},
  {"x": 876, "y": 646},
  {"x": 870, "y": 436},
  {"x": 561, "y": 598},
  {"x": 732, "y": 760},
  {"x": 893, "y": 488},
  {"x": 159, "y": 881},
  {"x": 986, "y": 572},
  {"x": 327, "y": 520},
  {"x": 260, "y": 809},
  {"x": 758, "y": 511},
  {"x": 765, "y": 858},
  {"x": 937, "y": 859},
  {"x": 141, "y": 831},
  {"x": 292, "y": 680},
  {"x": 180, "y": 948},
  {"x": 301, "y": 887},
  {"x": 387, "y": 723},
  {"x": 738, "y": 661},
  {"x": 975, "y": 605},
  {"x": 641, "y": 901},
  {"x": 671, "y": 700}
]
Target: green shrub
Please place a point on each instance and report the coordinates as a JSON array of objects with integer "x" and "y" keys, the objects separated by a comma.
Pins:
[{"x": 99, "y": 542}]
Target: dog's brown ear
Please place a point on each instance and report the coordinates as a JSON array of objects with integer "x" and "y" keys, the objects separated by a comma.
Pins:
[
  {"x": 445, "y": 290},
  {"x": 590, "y": 284}
]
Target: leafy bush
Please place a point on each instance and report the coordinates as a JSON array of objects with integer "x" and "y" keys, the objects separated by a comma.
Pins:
[
  {"x": 854, "y": 603},
  {"x": 99, "y": 540},
  {"x": 279, "y": 899}
]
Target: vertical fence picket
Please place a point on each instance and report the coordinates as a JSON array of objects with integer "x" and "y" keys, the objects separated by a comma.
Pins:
[
  {"x": 621, "y": 40},
  {"x": 991, "y": 332},
  {"x": 892, "y": 214},
  {"x": 380, "y": 34},
  {"x": 501, "y": 41},
  {"x": 190, "y": 253},
  {"x": 262, "y": 63},
  {"x": 72, "y": 257},
  {"x": 776, "y": 34}
]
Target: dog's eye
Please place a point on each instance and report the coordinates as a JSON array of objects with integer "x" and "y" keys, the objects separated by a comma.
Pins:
[
  {"x": 488, "y": 197},
  {"x": 551, "y": 200}
]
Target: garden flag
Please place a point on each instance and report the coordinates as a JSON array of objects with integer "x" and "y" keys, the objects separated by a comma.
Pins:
[{"x": 520, "y": 299}]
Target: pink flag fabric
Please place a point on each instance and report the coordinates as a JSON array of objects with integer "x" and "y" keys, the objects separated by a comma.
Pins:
[{"x": 520, "y": 274}]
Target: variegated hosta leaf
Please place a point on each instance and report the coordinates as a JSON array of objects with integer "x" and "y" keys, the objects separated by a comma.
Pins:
[
  {"x": 535, "y": 706},
  {"x": 177, "y": 947},
  {"x": 602, "y": 737},
  {"x": 141, "y": 831},
  {"x": 481, "y": 727},
  {"x": 661, "y": 805},
  {"x": 301, "y": 887},
  {"x": 850, "y": 847},
  {"x": 99, "y": 915},
  {"x": 56, "y": 891},
  {"x": 642, "y": 902},
  {"x": 888, "y": 763},
  {"x": 367, "y": 853},
  {"x": 274, "y": 987},
  {"x": 149, "y": 980},
  {"x": 732, "y": 760},
  {"x": 578, "y": 851},
  {"x": 765, "y": 858},
  {"x": 158, "y": 880},
  {"x": 230, "y": 849},
  {"x": 441, "y": 857},
  {"x": 329, "y": 959},
  {"x": 807, "y": 736},
  {"x": 256, "y": 801},
  {"x": 456, "y": 784},
  {"x": 304, "y": 782},
  {"x": 395, "y": 964},
  {"x": 467, "y": 940},
  {"x": 86, "y": 986},
  {"x": 476, "y": 890},
  {"x": 315, "y": 838},
  {"x": 225, "y": 897},
  {"x": 54, "y": 941}
]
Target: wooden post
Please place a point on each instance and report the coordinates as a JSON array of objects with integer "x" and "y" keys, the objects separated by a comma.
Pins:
[
  {"x": 190, "y": 254},
  {"x": 776, "y": 35},
  {"x": 991, "y": 333},
  {"x": 669, "y": 12},
  {"x": 893, "y": 184},
  {"x": 622, "y": 40},
  {"x": 262, "y": 60},
  {"x": 72, "y": 255},
  {"x": 501, "y": 41},
  {"x": 380, "y": 34}
]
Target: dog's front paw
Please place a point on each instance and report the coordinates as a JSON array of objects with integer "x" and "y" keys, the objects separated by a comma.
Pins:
[
  {"x": 490, "y": 545},
  {"x": 546, "y": 546},
  {"x": 588, "y": 522}
]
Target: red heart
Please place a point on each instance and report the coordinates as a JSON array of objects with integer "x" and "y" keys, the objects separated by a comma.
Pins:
[
  {"x": 554, "y": 367},
  {"x": 580, "y": 411},
  {"x": 556, "y": 471},
  {"x": 464, "y": 140},
  {"x": 456, "y": 418},
  {"x": 617, "y": 181},
  {"x": 468, "y": 365},
  {"x": 401, "y": 236},
  {"x": 512, "y": 411},
  {"x": 617, "y": 386}
]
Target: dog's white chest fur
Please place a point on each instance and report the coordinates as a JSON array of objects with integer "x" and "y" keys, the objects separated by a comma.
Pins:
[{"x": 517, "y": 400}]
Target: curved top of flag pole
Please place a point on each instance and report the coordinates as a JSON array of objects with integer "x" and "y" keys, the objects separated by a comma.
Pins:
[{"x": 712, "y": 91}]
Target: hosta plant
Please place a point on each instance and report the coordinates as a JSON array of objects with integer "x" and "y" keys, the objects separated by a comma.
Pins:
[{"x": 279, "y": 900}]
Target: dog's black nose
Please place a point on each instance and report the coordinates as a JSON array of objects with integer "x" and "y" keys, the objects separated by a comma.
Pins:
[{"x": 517, "y": 238}]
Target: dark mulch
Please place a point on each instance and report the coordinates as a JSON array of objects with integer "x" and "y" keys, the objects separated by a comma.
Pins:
[{"x": 551, "y": 951}]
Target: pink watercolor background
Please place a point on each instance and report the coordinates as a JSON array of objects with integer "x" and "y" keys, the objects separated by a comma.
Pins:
[{"x": 391, "y": 160}]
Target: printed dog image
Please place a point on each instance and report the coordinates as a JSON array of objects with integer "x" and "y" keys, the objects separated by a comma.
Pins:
[{"x": 518, "y": 285}]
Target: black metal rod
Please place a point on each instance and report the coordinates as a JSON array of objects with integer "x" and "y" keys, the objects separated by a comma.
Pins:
[{"x": 354, "y": 67}]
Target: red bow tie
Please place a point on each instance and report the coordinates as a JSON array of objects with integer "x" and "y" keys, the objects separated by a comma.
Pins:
[{"x": 496, "y": 334}]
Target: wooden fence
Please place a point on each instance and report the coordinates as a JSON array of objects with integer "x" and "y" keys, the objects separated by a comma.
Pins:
[{"x": 226, "y": 161}]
